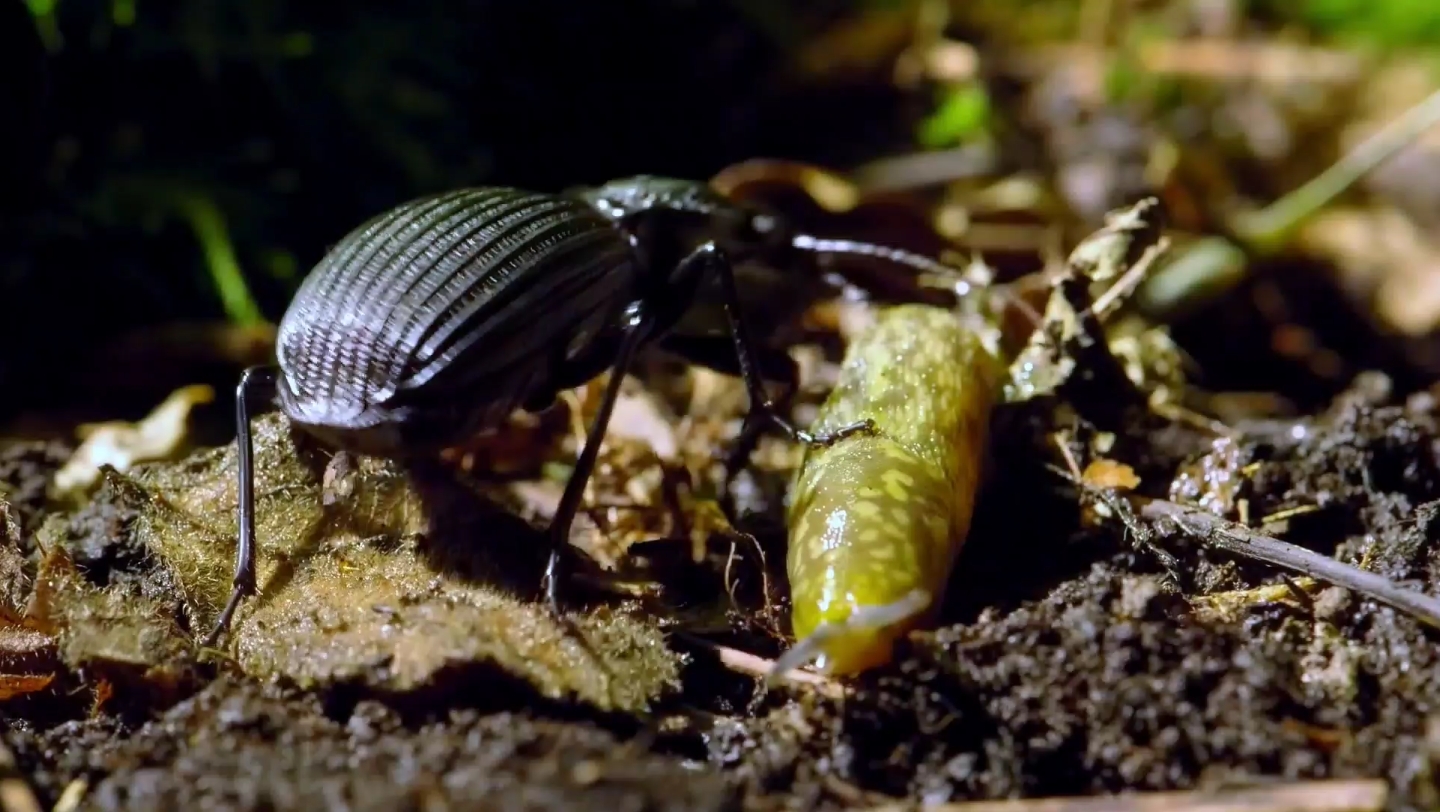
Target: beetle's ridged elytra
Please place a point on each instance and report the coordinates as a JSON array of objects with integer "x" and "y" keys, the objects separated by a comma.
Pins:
[
  {"x": 431, "y": 310},
  {"x": 442, "y": 315}
]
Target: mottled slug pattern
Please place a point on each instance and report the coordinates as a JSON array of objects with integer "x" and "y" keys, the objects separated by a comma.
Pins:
[{"x": 876, "y": 517}]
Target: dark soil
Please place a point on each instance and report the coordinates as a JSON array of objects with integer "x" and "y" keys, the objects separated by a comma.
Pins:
[
  {"x": 390, "y": 664},
  {"x": 266, "y": 749},
  {"x": 1081, "y": 671},
  {"x": 25, "y": 470}
]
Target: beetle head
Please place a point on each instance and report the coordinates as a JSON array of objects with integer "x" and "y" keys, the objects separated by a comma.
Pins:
[{"x": 749, "y": 233}]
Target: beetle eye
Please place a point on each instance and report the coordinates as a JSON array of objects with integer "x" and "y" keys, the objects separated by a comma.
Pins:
[{"x": 763, "y": 224}]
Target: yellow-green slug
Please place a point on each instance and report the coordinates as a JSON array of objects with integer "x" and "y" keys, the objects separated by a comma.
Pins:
[{"x": 877, "y": 519}]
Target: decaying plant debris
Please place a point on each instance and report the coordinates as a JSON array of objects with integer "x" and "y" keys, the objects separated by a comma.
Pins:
[{"x": 398, "y": 647}]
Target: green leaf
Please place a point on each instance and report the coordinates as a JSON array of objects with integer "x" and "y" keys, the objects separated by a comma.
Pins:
[{"x": 963, "y": 115}]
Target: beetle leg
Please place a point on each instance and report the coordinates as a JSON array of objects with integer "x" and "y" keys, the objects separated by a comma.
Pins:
[
  {"x": 255, "y": 382},
  {"x": 763, "y": 410},
  {"x": 636, "y": 329},
  {"x": 761, "y": 406},
  {"x": 718, "y": 353}
]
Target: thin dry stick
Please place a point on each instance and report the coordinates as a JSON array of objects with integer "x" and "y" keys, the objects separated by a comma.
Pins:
[
  {"x": 764, "y": 574},
  {"x": 1362, "y": 795},
  {"x": 921, "y": 169},
  {"x": 753, "y": 665},
  {"x": 1241, "y": 540},
  {"x": 71, "y": 797}
]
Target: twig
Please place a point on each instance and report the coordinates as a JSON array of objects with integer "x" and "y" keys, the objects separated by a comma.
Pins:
[
  {"x": 1364, "y": 795},
  {"x": 922, "y": 169},
  {"x": 15, "y": 792},
  {"x": 1240, "y": 540},
  {"x": 753, "y": 665},
  {"x": 1208, "y": 58},
  {"x": 72, "y": 795},
  {"x": 1129, "y": 281},
  {"x": 1272, "y": 223},
  {"x": 1223, "y": 604},
  {"x": 1267, "y": 63}
]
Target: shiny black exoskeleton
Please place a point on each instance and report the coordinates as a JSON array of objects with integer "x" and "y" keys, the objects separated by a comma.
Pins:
[{"x": 441, "y": 316}]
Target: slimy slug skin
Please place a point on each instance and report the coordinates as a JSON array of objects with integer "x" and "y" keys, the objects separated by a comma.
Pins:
[{"x": 877, "y": 519}]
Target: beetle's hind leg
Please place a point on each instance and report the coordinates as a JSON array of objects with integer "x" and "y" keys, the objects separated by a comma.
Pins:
[{"x": 256, "y": 383}]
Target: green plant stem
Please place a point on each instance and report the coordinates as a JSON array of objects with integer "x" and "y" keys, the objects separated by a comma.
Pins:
[
  {"x": 1273, "y": 224},
  {"x": 208, "y": 223}
]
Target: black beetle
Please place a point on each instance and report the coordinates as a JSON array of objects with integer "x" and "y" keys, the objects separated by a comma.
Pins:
[{"x": 442, "y": 315}]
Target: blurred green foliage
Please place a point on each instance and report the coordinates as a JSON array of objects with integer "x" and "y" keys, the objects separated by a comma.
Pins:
[
  {"x": 192, "y": 159},
  {"x": 1375, "y": 23},
  {"x": 962, "y": 116}
]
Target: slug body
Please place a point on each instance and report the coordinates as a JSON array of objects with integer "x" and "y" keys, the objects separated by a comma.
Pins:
[{"x": 876, "y": 520}]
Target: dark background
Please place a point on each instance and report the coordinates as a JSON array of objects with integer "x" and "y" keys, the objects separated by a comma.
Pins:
[{"x": 293, "y": 122}]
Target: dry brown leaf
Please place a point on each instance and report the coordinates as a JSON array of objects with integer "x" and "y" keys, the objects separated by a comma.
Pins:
[
  {"x": 519, "y": 446},
  {"x": 159, "y": 435},
  {"x": 1107, "y": 473},
  {"x": 13, "y": 685},
  {"x": 104, "y": 689}
]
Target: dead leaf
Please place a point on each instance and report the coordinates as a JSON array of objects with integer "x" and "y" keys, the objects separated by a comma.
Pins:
[
  {"x": 13, "y": 685},
  {"x": 119, "y": 444},
  {"x": 1107, "y": 473}
]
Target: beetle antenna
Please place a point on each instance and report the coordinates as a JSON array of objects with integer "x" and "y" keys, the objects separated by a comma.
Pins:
[
  {"x": 962, "y": 283},
  {"x": 899, "y": 256}
]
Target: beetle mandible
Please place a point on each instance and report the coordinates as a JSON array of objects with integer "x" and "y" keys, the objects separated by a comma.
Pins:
[{"x": 441, "y": 316}]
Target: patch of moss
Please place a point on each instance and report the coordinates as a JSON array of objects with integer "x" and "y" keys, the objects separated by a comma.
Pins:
[{"x": 398, "y": 587}]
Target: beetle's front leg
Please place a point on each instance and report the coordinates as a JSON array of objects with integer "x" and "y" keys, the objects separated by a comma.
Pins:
[
  {"x": 761, "y": 406},
  {"x": 256, "y": 383},
  {"x": 762, "y": 409},
  {"x": 636, "y": 328}
]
